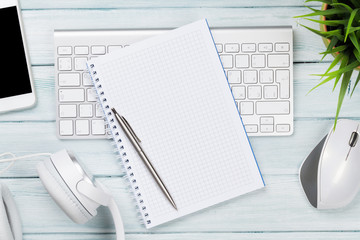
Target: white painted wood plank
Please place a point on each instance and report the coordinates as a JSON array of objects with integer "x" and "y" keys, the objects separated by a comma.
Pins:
[
  {"x": 40, "y": 24},
  {"x": 280, "y": 206},
  {"x": 39, "y": 4},
  {"x": 275, "y": 155},
  {"x": 321, "y": 102},
  {"x": 202, "y": 236}
]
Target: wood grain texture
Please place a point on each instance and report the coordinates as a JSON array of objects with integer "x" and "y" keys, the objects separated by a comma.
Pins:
[
  {"x": 209, "y": 236},
  {"x": 275, "y": 155},
  {"x": 39, "y": 4},
  {"x": 280, "y": 206},
  {"x": 279, "y": 211},
  {"x": 40, "y": 25}
]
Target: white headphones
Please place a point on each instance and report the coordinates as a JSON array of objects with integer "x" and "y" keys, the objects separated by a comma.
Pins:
[
  {"x": 10, "y": 224},
  {"x": 76, "y": 192}
]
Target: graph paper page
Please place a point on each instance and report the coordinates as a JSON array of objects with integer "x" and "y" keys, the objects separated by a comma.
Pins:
[{"x": 173, "y": 92}]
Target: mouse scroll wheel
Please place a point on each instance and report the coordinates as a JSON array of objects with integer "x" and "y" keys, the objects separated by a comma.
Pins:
[{"x": 353, "y": 139}]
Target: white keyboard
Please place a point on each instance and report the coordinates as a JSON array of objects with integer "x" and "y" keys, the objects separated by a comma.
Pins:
[{"x": 257, "y": 61}]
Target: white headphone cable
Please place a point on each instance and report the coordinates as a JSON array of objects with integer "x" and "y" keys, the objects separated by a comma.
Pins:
[{"x": 14, "y": 158}]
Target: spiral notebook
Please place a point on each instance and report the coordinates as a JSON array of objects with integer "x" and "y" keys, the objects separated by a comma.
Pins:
[{"x": 173, "y": 91}]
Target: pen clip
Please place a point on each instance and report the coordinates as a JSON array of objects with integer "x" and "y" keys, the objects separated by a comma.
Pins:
[{"x": 130, "y": 129}]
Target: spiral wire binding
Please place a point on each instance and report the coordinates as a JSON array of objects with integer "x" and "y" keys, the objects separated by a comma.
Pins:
[{"x": 126, "y": 163}]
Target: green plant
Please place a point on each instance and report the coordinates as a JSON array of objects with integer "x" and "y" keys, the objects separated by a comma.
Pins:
[{"x": 340, "y": 27}]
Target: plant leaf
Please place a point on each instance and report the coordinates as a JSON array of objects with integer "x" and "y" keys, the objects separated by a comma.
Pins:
[
  {"x": 332, "y": 44},
  {"x": 351, "y": 19},
  {"x": 323, "y": 1},
  {"x": 353, "y": 29},
  {"x": 321, "y": 83},
  {"x": 332, "y": 23},
  {"x": 356, "y": 83},
  {"x": 347, "y": 7},
  {"x": 344, "y": 69},
  {"x": 355, "y": 41},
  {"x": 336, "y": 49},
  {"x": 323, "y": 13},
  {"x": 327, "y": 34},
  {"x": 357, "y": 54},
  {"x": 344, "y": 85},
  {"x": 334, "y": 62},
  {"x": 343, "y": 63},
  {"x": 356, "y": 3}
]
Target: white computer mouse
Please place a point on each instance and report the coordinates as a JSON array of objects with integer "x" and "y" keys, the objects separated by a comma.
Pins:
[{"x": 330, "y": 175}]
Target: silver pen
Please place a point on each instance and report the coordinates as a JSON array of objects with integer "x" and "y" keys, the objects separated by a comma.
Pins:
[{"x": 136, "y": 143}]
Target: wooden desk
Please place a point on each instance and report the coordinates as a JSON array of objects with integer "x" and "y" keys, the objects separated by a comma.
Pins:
[{"x": 279, "y": 211}]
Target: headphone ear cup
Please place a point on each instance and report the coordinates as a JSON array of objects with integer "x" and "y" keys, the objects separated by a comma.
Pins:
[
  {"x": 61, "y": 194},
  {"x": 10, "y": 223}
]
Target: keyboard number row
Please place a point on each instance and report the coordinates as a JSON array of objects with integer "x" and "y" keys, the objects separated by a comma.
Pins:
[
  {"x": 84, "y": 50},
  {"x": 257, "y": 60}
]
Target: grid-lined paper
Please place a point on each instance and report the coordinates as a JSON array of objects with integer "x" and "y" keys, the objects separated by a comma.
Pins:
[{"x": 174, "y": 93}]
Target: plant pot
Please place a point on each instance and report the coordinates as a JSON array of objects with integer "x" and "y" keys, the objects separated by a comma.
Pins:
[{"x": 324, "y": 28}]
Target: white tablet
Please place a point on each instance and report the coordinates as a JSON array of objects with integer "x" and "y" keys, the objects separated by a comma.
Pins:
[{"x": 16, "y": 84}]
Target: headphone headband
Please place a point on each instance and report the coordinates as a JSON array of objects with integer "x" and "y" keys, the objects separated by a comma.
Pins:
[{"x": 10, "y": 223}]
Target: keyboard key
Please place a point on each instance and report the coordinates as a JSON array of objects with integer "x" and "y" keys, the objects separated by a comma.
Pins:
[
  {"x": 254, "y": 92},
  {"x": 248, "y": 47},
  {"x": 283, "y": 78},
  {"x": 87, "y": 79},
  {"x": 250, "y": 76},
  {"x": 66, "y": 127},
  {"x": 267, "y": 128},
  {"x": 82, "y": 127},
  {"x": 251, "y": 128},
  {"x": 64, "y": 64},
  {"x": 66, "y": 50},
  {"x": 98, "y": 127},
  {"x": 91, "y": 95},
  {"x": 278, "y": 60},
  {"x": 114, "y": 48},
  {"x": 258, "y": 60},
  {"x": 273, "y": 108},
  {"x": 71, "y": 95},
  {"x": 265, "y": 47},
  {"x": 266, "y": 76},
  {"x": 82, "y": 50},
  {"x": 80, "y": 64},
  {"x": 219, "y": 47},
  {"x": 98, "y": 110},
  {"x": 282, "y": 47},
  {"x": 246, "y": 108},
  {"x": 69, "y": 79},
  {"x": 234, "y": 76},
  {"x": 283, "y": 127},
  {"x": 98, "y": 50},
  {"x": 232, "y": 48},
  {"x": 67, "y": 111},
  {"x": 270, "y": 92},
  {"x": 242, "y": 61},
  {"x": 86, "y": 110},
  {"x": 267, "y": 120},
  {"x": 238, "y": 92},
  {"x": 227, "y": 61}
]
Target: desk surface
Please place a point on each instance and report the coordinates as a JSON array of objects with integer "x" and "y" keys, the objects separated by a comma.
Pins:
[{"x": 279, "y": 211}]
